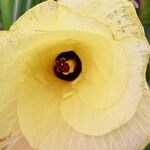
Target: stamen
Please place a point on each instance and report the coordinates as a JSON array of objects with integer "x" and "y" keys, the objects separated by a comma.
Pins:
[
  {"x": 62, "y": 66},
  {"x": 67, "y": 66}
]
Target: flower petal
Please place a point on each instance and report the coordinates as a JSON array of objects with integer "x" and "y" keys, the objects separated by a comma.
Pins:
[
  {"x": 8, "y": 96},
  {"x": 45, "y": 98},
  {"x": 49, "y": 120},
  {"x": 52, "y": 16},
  {"x": 119, "y": 15},
  {"x": 15, "y": 141},
  {"x": 89, "y": 121},
  {"x": 83, "y": 44},
  {"x": 46, "y": 129}
]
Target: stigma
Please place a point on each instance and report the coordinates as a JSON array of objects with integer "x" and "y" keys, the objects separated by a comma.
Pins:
[{"x": 67, "y": 66}]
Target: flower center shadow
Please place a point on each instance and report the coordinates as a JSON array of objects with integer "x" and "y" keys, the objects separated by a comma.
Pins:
[{"x": 68, "y": 66}]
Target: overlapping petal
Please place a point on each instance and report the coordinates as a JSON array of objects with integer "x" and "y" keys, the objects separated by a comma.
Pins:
[{"x": 106, "y": 107}]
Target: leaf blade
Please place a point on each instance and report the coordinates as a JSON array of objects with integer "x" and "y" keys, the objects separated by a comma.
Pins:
[{"x": 6, "y": 12}]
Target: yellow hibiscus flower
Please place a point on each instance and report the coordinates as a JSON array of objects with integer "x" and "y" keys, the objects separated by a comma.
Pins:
[{"x": 73, "y": 78}]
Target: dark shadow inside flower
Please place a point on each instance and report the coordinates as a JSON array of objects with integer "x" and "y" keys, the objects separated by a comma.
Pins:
[{"x": 68, "y": 66}]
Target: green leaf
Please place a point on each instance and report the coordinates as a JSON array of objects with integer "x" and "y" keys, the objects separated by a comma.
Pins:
[
  {"x": 1, "y": 25},
  {"x": 147, "y": 31},
  {"x": 11, "y": 10},
  {"x": 26, "y": 5},
  {"x": 23, "y": 7},
  {"x": 145, "y": 11},
  {"x": 35, "y": 2},
  {"x": 7, "y": 7},
  {"x": 148, "y": 147}
]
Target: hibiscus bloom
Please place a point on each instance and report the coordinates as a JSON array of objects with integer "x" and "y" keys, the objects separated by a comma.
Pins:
[{"x": 73, "y": 77}]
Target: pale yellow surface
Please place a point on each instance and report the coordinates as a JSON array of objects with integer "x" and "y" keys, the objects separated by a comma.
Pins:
[{"x": 106, "y": 107}]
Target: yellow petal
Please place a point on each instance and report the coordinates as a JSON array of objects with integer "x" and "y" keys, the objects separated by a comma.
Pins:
[
  {"x": 118, "y": 15},
  {"x": 52, "y": 111},
  {"x": 45, "y": 129},
  {"x": 15, "y": 141},
  {"x": 46, "y": 95},
  {"x": 52, "y": 16},
  {"x": 8, "y": 96},
  {"x": 99, "y": 122}
]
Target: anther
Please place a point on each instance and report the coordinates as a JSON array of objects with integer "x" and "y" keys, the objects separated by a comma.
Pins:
[{"x": 63, "y": 67}]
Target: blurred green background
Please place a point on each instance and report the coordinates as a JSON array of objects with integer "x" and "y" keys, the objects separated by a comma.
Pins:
[{"x": 11, "y": 10}]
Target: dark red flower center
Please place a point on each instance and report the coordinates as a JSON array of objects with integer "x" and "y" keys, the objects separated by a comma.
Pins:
[
  {"x": 67, "y": 66},
  {"x": 62, "y": 66}
]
